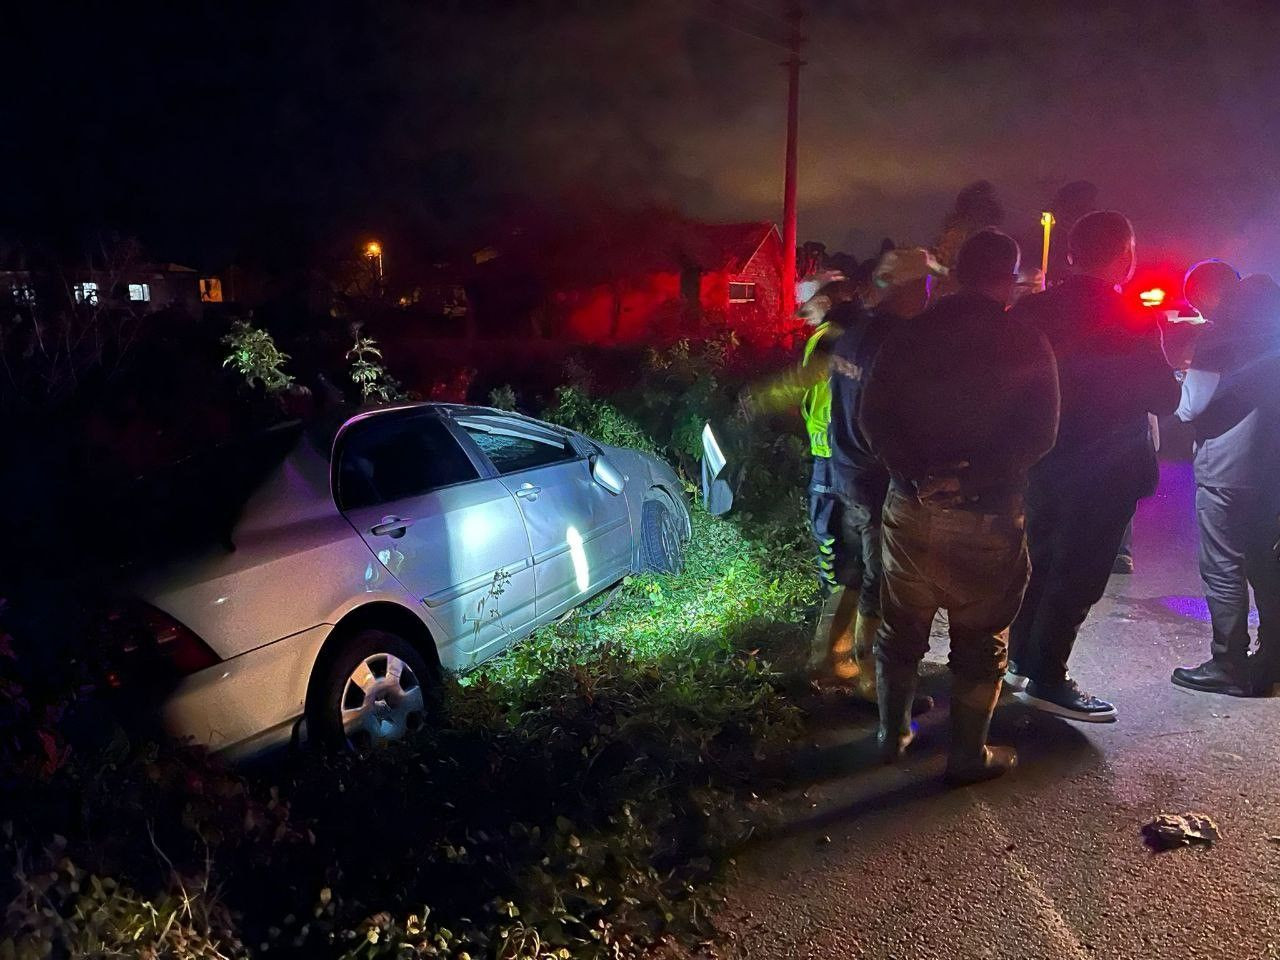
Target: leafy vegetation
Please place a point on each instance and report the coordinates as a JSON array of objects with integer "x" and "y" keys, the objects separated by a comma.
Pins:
[
  {"x": 256, "y": 357},
  {"x": 576, "y": 409},
  {"x": 369, "y": 374},
  {"x": 503, "y": 397}
]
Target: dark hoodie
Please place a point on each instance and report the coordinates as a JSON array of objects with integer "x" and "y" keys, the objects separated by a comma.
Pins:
[
  {"x": 859, "y": 473},
  {"x": 1112, "y": 373}
]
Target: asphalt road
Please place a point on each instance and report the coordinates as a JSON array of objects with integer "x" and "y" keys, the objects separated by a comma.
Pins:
[{"x": 868, "y": 861}]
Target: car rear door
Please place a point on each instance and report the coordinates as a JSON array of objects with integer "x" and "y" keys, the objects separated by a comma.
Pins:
[
  {"x": 441, "y": 523},
  {"x": 580, "y": 532}
]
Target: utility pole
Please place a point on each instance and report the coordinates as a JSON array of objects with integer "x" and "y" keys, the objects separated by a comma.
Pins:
[{"x": 793, "y": 64}]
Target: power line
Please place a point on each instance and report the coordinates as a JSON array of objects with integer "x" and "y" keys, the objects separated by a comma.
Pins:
[
  {"x": 776, "y": 33},
  {"x": 727, "y": 14}
]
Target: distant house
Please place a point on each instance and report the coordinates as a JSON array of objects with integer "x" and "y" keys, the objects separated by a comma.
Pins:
[
  {"x": 740, "y": 273},
  {"x": 144, "y": 287},
  {"x": 628, "y": 277}
]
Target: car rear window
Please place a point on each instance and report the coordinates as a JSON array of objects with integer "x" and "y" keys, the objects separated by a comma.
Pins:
[{"x": 387, "y": 458}]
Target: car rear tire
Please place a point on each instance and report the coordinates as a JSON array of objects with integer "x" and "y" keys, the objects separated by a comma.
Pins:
[
  {"x": 377, "y": 688},
  {"x": 663, "y": 544}
]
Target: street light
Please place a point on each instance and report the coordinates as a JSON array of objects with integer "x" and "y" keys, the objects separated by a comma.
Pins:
[{"x": 373, "y": 250}]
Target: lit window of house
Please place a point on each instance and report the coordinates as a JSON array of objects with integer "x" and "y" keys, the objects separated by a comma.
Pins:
[
  {"x": 140, "y": 292},
  {"x": 86, "y": 292},
  {"x": 22, "y": 293},
  {"x": 742, "y": 292},
  {"x": 210, "y": 290}
]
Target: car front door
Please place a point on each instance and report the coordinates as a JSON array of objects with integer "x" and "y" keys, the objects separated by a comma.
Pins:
[
  {"x": 579, "y": 531},
  {"x": 441, "y": 524}
]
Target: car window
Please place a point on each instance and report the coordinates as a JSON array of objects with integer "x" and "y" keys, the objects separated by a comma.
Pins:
[
  {"x": 388, "y": 458},
  {"x": 512, "y": 447}
]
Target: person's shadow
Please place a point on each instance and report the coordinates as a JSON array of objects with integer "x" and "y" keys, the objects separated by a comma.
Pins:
[{"x": 840, "y": 750}]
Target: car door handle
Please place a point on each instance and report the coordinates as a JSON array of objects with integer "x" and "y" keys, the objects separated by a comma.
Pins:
[
  {"x": 391, "y": 527},
  {"x": 528, "y": 492}
]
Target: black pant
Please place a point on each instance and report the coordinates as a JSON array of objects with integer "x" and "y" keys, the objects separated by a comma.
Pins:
[
  {"x": 846, "y": 528},
  {"x": 1237, "y": 531},
  {"x": 1073, "y": 535},
  {"x": 824, "y": 521},
  {"x": 973, "y": 565}
]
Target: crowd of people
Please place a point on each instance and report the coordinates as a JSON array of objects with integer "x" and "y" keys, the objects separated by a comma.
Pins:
[{"x": 980, "y": 445}]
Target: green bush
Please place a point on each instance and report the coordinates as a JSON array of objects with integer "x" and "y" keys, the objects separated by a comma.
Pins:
[
  {"x": 503, "y": 397},
  {"x": 601, "y": 420},
  {"x": 256, "y": 357},
  {"x": 369, "y": 374}
]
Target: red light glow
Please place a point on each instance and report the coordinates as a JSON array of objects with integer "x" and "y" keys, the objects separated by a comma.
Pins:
[{"x": 1152, "y": 298}]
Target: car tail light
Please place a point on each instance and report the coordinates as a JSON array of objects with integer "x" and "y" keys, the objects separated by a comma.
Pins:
[{"x": 147, "y": 640}]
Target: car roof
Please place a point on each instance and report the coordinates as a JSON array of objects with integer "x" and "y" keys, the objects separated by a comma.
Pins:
[{"x": 324, "y": 431}]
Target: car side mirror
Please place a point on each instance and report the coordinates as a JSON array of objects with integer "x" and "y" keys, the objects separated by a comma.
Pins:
[{"x": 607, "y": 475}]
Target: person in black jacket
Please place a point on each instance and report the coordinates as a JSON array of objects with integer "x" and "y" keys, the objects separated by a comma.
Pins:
[
  {"x": 1084, "y": 493},
  {"x": 960, "y": 403},
  {"x": 901, "y": 290}
]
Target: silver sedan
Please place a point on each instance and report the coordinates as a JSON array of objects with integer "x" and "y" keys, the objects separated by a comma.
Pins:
[{"x": 408, "y": 541}]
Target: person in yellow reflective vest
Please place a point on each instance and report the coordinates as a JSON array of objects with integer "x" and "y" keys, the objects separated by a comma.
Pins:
[
  {"x": 832, "y": 659},
  {"x": 808, "y": 386},
  {"x": 895, "y": 286}
]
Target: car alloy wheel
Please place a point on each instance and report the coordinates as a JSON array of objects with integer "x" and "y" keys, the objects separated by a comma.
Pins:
[{"x": 381, "y": 701}]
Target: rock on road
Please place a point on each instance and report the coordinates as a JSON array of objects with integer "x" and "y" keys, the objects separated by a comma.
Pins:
[{"x": 1049, "y": 862}]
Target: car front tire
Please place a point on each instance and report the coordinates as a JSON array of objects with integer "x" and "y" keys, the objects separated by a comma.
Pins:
[
  {"x": 663, "y": 544},
  {"x": 376, "y": 689}
]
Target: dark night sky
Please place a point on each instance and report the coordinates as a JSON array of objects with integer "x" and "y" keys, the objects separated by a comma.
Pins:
[{"x": 289, "y": 127}]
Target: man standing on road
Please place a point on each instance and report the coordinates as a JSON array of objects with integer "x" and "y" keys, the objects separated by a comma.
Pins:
[
  {"x": 961, "y": 402},
  {"x": 901, "y": 291},
  {"x": 1084, "y": 493},
  {"x": 1231, "y": 395}
]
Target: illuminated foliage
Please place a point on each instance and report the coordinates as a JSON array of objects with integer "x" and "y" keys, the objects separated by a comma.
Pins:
[
  {"x": 369, "y": 374},
  {"x": 255, "y": 356}
]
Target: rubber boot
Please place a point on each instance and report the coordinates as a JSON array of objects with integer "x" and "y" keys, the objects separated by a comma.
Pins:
[
  {"x": 971, "y": 760},
  {"x": 896, "y": 690},
  {"x": 832, "y": 656},
  {"x": 864, "y": 651}
]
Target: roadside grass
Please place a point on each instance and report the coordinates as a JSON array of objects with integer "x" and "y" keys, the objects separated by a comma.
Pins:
[
  {"x": 576, "y": 800},
  {"x": 731, "y": 583}
]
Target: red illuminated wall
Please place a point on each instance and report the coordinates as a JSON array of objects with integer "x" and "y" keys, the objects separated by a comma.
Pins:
[
  {"x": 631, "y": 310},
  {"x": 656, "y": 306}
]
